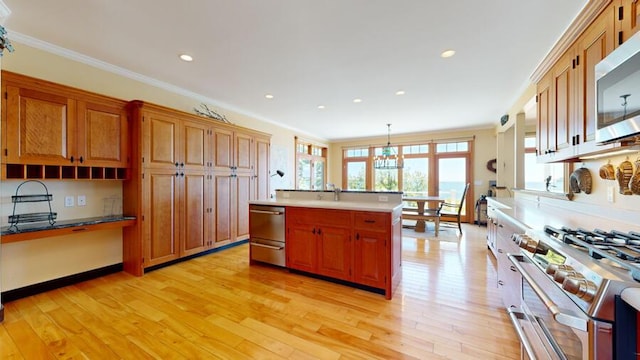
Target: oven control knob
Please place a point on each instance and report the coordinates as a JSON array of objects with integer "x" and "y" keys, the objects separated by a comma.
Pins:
[
  {"x": 581, "y": 287},
  {"x": 564, "y": 271},
  {"x": 526, "y": 242}
]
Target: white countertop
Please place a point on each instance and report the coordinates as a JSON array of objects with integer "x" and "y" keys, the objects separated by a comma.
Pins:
[{"x": 330, "y": 204}]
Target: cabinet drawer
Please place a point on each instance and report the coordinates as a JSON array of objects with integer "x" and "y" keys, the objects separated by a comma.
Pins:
[
  {"x": 372, "y": 221},
  {"x": 319, "y": 217}
]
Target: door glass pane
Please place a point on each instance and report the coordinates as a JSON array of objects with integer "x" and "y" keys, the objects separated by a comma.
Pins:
[
  {"x": 304, "y": 174},
  {"x": 386, "y": 180},
  {"x": 356, "y": 175},
  {"x": 452, "y": 179},
  {"x": 318, "y": 175},
  {"x": 415, "y": 177}
]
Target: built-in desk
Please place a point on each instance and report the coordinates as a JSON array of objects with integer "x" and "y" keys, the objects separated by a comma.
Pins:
[{"x": 26, "y": 232}]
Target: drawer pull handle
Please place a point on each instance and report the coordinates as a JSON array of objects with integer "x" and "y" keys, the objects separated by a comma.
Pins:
[
  {"x": 80, "y": 229},
  {"x": 370, "y": 221}
]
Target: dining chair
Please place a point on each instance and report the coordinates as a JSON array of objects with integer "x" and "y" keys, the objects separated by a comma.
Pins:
[{"x": 452, "y": 209}]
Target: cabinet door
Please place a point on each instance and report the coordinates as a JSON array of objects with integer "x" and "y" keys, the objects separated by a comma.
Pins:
[
  {"x": 195, "y": 213},
  {"x": 103, "y": 134},
  {"x": 222, "y": 208},
  {"x": 40, "y": 128},
  {"x": 596, "y": 43},
  {"x": 545, "y": 131},
  {"x": 161, "y": 226},
  {"x": 565, "y": 90},
  {"x": 301, "y": 248},
  {"x": 262, "y": 169},
  {"x": 244, "y": 192},
  {"x": 223, "y": 145},
  {"x": 160, "y": 140},
  {"x": 334, "y": 252},
  {"x": 194, "y": 145},
  {"x": 244, "y": 152},
  {"x": 369, "y": 258},
  {"x": 630, "y": 18}
]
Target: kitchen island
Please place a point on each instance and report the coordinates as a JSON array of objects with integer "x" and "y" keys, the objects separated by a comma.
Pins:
[{"x": 354, "y": 238}]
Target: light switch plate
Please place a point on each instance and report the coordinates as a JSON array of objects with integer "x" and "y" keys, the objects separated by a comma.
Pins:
[
  {"x": 82, "y": 200},
  {"x": 68, "y": 201},
  {"x": 610, "y": 192}
]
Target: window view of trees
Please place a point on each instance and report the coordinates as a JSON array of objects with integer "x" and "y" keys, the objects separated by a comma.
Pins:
[{"x": 311, "y": 166}]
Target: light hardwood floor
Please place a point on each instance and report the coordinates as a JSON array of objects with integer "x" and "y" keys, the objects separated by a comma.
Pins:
[{"x": 217, "y": 306}]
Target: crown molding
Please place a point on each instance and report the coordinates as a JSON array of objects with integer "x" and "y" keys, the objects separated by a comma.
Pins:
[
  {"x": 588, "y": 14},
  {"x": 75, "y": 56}
]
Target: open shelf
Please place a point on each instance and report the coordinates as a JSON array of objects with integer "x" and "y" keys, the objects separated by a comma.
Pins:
[{"x": 55, "y": 172}]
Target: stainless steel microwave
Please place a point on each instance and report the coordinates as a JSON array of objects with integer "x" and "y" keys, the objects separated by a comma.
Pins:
[{"x": 618, "y": 93}]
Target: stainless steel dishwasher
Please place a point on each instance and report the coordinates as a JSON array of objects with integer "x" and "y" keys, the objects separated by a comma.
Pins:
[{"x": 267, "y": 234}]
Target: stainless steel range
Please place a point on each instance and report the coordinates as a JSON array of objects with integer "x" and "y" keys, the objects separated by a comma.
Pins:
[{"x": 571, "y": 285}]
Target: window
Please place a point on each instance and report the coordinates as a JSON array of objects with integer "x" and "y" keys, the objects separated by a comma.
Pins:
[
  {"x": 355, "y": 169},
  {"x": 432, "y": 168},
  {"x": 541, "y": 177},
  {"x": 311, "y": 173}
]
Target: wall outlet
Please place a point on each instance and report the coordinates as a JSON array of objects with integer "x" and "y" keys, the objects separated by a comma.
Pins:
[
  {"x": 383, "y": 198},
  {"x": 82, "y": 200},
  {"x": 68, "y": 201},
  {"x": 610, "y": 192}
]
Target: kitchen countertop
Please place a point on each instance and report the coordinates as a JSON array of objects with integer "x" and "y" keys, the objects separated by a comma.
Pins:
[
  {"x": 31, "y": 231},
  {"x": 330, "y": 204}
]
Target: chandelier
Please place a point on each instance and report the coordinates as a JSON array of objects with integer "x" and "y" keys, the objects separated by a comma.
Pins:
[{"x": 389, "y": 159}]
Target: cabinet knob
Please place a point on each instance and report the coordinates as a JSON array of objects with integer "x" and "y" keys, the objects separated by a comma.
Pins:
[
  {"x": 176, "y": 164},
  {"x": 81, "y": 159},
  {"x": 72, "y": 159}
]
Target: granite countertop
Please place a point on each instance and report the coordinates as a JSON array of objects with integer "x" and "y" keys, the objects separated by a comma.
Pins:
[
  {"x": 330, "y": 204},
  {"x": 33, "y": 227}
]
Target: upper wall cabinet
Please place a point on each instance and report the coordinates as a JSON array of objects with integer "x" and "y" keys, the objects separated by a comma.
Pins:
[
  {"x": 566, "y": 94},
  {"x": 53, "y": 131},
  {"x": 628, "y": 19}
]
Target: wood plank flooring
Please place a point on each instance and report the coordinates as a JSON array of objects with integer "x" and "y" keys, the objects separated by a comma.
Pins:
[{"x": 219, "y": 307}]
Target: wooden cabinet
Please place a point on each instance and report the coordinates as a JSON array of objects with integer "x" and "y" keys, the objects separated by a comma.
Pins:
[
  {"x": 319, "y": 241},
  {"x": 177, "y": 185},
  {"x": 509, "y": 280},
  {"x": 566, "y": 94},
  {"x": 360, "y": 247},
  {"x": 186, "y": 206},
  {"x": 370, "y": 248},
  {"x": 492, "y": 228},
  {"x": 240, "y": 165},
  {"x": 46, "y": 126}
]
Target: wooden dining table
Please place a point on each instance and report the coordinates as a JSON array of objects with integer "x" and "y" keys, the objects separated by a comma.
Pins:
[{"x": 421, "y": 202}]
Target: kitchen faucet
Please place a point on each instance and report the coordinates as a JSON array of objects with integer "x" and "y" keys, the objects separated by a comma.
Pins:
[{"x": 336, "y": 194}]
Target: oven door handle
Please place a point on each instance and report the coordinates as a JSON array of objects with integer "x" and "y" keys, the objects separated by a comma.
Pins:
[
  {"x": 563, "y": 318},
  {"x": 268, "y": 212},
  {"x": 515, "y": 316},
  {"x": 267, "y": 246}
]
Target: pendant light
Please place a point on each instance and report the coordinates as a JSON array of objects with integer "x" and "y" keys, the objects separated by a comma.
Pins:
[{"x": 389, "y": 159}]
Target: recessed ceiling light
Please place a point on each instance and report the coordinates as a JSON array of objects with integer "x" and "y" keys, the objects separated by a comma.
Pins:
[
  {"x": 448, "y": 53},
  {"x": 269, "y": 96},
  {"x": 186, "y": 57},
  {"x": 357, "y": 100},
  {"x": 321, "y": 107},
  {"x": 400, "y": 92}
]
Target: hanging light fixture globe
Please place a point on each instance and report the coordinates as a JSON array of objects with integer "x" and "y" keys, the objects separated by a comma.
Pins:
[{"x": 389, "y": 159}]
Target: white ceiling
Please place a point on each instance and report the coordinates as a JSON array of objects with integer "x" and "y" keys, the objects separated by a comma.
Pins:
[{"x": 308, "y": 53}]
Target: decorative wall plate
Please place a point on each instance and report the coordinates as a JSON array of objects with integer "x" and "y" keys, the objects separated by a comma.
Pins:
[
  {"x": 623, "y": 174},
  {"x": 634, "y": 184},
  {"x": 580, "y": 180},
  {"x": 607, "y": 172}
]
